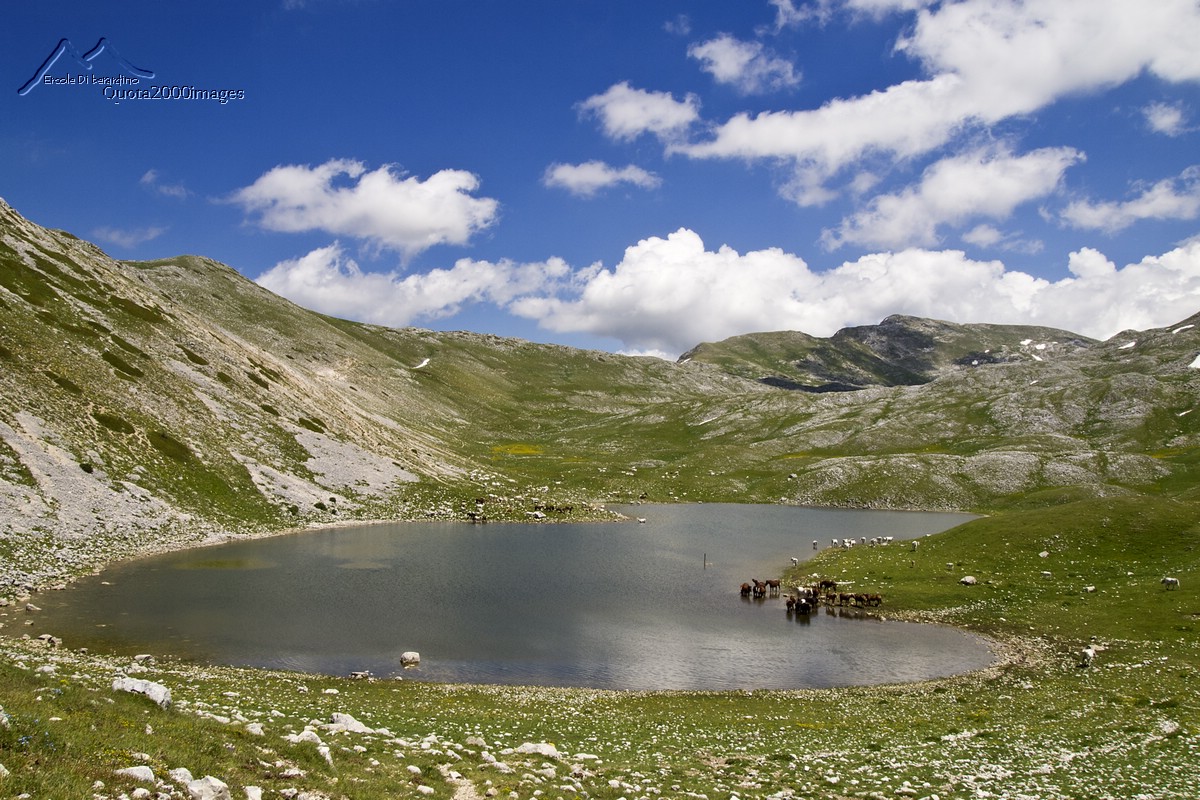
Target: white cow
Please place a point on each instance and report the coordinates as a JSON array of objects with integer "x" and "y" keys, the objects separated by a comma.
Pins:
[{"x": 1170, "y": 583}]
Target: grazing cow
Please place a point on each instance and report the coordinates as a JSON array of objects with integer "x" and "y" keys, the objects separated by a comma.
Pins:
[
  {"x": 1170, "y": 583},
  {"x": 1086, "y": 656},
  {"x": 874, "y": 600},
  {"x": 745, "y": 590},
  {"x": 795, "y": 561}
]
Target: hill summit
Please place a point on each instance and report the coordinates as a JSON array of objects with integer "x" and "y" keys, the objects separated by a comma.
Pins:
[{"x": 900, "y": 351}]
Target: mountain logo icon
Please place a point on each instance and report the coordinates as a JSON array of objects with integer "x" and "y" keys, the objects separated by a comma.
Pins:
[{"x": 66, "y": 48}]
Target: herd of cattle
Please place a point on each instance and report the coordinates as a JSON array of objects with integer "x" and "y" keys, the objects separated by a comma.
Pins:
[{"x": 805, "y": 599}]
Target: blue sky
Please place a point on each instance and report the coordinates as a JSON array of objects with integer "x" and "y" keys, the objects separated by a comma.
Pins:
[{"x": 630, "y": 175}]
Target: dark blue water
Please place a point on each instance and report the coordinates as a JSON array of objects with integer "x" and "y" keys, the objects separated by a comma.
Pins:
[{"x": 605, "y": 605}]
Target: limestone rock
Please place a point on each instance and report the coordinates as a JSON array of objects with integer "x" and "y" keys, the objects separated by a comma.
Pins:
[
  {"x": 181, "y": 775},
  {"x": 542, "y": 749},
  {"x": 155, "y": 691},
  {"x": 143, "y": 774},
  {"x": 349, "y": 723},
  {"x": 208, "y": 788}
]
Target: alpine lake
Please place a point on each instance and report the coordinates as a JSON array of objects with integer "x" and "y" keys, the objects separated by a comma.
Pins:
[{"x": 610, "y": 605}]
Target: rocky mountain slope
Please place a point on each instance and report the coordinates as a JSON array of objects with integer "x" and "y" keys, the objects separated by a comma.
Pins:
[
  {"x": 900, "y": 351},
  {"x": 158, "y": 404}
]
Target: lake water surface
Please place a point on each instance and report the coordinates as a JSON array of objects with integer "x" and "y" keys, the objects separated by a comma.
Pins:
[{"x": 604, "y": 605}]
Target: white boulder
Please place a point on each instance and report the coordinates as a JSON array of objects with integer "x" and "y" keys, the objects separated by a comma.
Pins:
[
  {"x": 160, "y": 694},
  {"x": 208, "y": 788},
  {"x": 143, "y": 774},
  {"x": 544, "y": 749},
  {"x": 348, "y": 723},
  {"x": 307, "y": 735},
  {"x": 182, "y": 775}
]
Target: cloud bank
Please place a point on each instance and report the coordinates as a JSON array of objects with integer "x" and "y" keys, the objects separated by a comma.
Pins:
[
  {"x": 985, "y": 62},
  {"x": 918, "y": 161},
  {"x": 329, "y": 281},
  {"x": 386, "y": 209},
  {"x": 668, "y": 294}
]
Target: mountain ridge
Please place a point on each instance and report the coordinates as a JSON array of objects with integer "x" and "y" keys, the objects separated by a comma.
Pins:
[
  {"x": 166, "y": 403},
  {"x": 900, "y": 351}
]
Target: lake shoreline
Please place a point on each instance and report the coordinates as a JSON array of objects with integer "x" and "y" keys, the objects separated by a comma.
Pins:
[{"x": 677, "y": 531}]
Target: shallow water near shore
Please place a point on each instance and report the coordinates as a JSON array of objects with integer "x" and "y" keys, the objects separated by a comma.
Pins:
[{"x": 603, "y": 605}]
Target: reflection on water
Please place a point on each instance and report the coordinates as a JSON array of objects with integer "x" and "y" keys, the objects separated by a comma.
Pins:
[
  {"x": 227, "y": 563},
  {"x": 603, "y": 605}
]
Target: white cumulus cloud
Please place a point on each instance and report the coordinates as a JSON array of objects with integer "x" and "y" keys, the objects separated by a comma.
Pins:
[
  {"x": 986, "y": 183},
  {"x": 1165, "y": 118},
  {"x": 328, "y": 281},
  {"x": 626, "y": 113},
  {"x": 1173, "y": 198},
  {"x": 667, "y": 295},
  {"x": 747, "y": 66},
  {"x": 588, "y": 178},
  {"x": 986, "y": 61},
  {"x": 388, "y": 210}
]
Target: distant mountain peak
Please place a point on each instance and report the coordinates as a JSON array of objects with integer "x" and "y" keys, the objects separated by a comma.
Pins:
[{"x": 901, "y": 350}]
